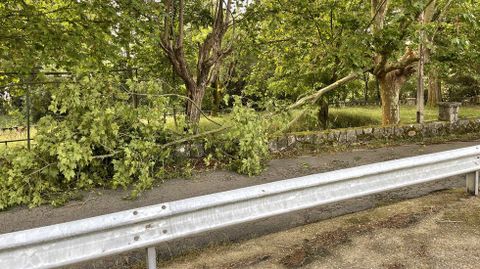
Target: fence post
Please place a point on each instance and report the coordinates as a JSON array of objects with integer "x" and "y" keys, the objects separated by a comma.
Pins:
[
  {"x": 151, "y": 258},
  {"x": 472, "y": 183},
  {"x": 29, "y": 104}
]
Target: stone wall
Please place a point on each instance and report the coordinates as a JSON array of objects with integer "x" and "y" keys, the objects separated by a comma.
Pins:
[
  {"x": 366, "y": 134},
  {"x": 351, "y": 136}
]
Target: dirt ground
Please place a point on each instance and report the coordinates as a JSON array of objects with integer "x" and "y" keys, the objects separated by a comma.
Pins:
[
  {"x": 100, "y": 202},
  {"x": 440, "y": 230}
]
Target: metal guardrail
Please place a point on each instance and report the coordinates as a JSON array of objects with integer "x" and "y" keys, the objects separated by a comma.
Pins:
[{"x": 91, "y": 238}]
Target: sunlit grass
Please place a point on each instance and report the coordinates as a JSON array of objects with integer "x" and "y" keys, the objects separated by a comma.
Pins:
[
  {"x": 408, "y": 114},
  {"x": 205, "y": 124},
  {"x": 14, "y": 135},
  {"x": 343, "y": 117}
]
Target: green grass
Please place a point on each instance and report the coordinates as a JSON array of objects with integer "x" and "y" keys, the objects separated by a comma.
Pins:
[
  {"x": 12, "y": 135},
  {"x": 348, "y": 117},
  {"x": 408, "y": 114},
  {"x": 205, "y": 124},
  {"x": 16, "y": 119}
]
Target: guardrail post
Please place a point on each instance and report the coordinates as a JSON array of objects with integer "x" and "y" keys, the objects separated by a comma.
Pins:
[
  {"x": 152, "y": 258},
  {"x": 472, "y": 183}
]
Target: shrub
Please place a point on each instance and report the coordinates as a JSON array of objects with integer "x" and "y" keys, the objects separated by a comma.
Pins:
[
  {"x": 244, "y": 146},
  {"x": 95, "y": 137}
]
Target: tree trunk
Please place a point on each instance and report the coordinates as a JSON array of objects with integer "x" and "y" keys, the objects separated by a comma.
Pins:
[
  {"x": 390, "y": 85},
  {"x": 217, "y": 90},
  {"x": 377, "y": 88},
  {"x": 193, "y": 113},
  {"x": 421, "y": 81},
  {"x": 323, "y": 113},
  {"x": 434, "y": 89},
  {"x": 366, "y": 78}
]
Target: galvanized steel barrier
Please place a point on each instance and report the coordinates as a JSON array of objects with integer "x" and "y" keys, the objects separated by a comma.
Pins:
[{"x": 91, "y": 238}]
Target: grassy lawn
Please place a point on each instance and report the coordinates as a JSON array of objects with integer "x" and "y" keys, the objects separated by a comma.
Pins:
[
  {"x": 12, "y": 135},
  {"x": 347, "y": 117},
  {"x": 372, "y": 115},
  {"x": 408, "y": 114}
]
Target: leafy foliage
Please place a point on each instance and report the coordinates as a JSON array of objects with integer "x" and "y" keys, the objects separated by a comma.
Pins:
[
  {"x": 94, "y": 138},
  {"x": 244, "y": 146},
  {"x": 104, "y": 124}
]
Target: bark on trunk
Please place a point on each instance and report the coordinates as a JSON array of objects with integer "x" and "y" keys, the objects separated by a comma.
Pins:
[
  {"x": 390, "y": 86},
  {"x": 193, "y": 114},
  {"x": 434, "y": 89},
  {"x": 216, "y": 98},
  {"x": 323, "y": 114},
  {"x": 366, "y": 78}
]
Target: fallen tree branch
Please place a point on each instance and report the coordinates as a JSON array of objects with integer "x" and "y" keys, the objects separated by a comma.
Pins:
[
  {"x": 190, "y": 138},
  {"x": 41, "y": 169},
  {"x": 106, "y": 155},
  {"x": 313, "y": 98}
]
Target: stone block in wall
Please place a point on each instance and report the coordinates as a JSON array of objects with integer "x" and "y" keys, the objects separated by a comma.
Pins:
[
  {"x": 377, "y": 132},
  {"x": 475, "y": 125},
  {"x": 409, "y": 130},
  {"x": 463, "y": 123},
  {"x": 412, "y": 133},
  {"x": 321, "y": 138},
  {"x": 438, "y": 128},
  {"x": 388, "y": 131},
  {"x": 291, "y": 140},
  {"x": 332, "y": 136},
  {"x": 429, "y": 129},
  {"x": 282, "y": 143},
  {"x": 351, "y": 136},
  {"x": 443, "y": 127},
  {"x": 306, "y": 138},
  {"x": 367, "y": 131},
  {"x": 418, "y": 127},
  {"x": 342, "y": 137},
  {"x": 399, "y": 131},
  {"x": 461, "y": 126},
  {"x": 272, "y": 146}
]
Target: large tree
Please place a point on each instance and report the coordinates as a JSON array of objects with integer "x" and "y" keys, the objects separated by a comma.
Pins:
[
  {"x": 210, "y": 50},
  {"x": 391, "y": 73}
]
